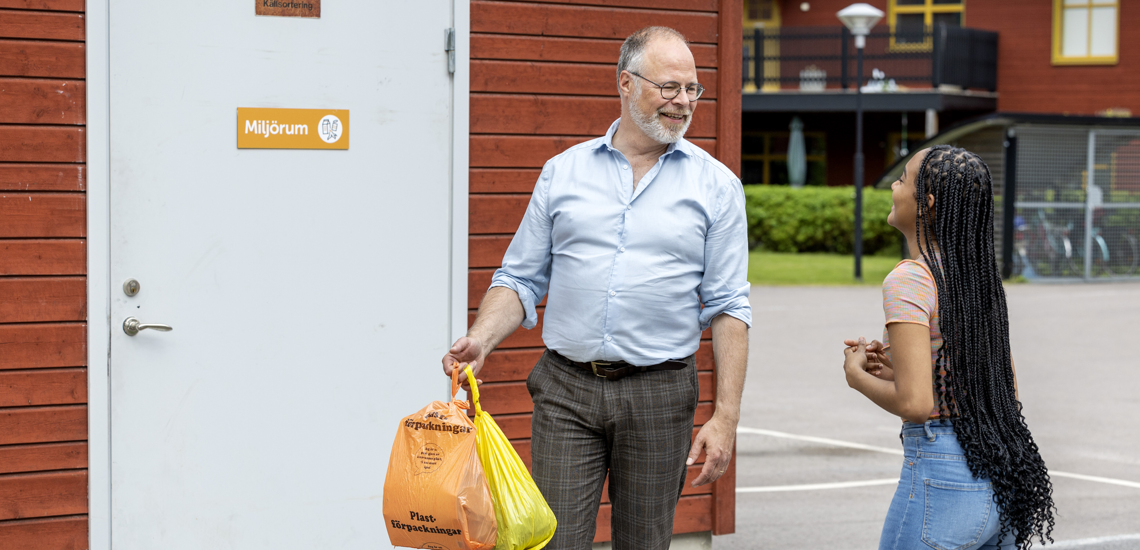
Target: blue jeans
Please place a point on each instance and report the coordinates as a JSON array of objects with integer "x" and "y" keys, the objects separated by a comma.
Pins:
[{"x": 939, "y": 504}]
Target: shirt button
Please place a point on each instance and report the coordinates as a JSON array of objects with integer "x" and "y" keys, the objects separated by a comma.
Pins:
[
  {"x": 629, "y": 207},
  {"x": 609, "y": 338},
  {"x": 612, "y": 293},
  {"x": 624, "y": 167},
  {"x": 622, "y": 249}
]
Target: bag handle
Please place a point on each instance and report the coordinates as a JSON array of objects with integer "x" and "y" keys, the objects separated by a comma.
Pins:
[
  {"x": 454, "y": 380},
  {"x": 474, "y": 390}
]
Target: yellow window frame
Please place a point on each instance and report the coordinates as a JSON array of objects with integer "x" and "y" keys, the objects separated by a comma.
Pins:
[
  {"x": 767, "y": 156},
  {"x": 1058, "y": 19},
  {"x": 771, "y": 45},
  {"x": 927, "y": 9}
]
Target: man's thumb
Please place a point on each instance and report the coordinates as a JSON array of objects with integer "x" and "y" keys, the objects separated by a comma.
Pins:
[{"x": 695, "y": 451}]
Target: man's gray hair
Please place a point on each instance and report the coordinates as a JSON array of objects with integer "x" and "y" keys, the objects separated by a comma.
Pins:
[{"x": 633, "y": 49}]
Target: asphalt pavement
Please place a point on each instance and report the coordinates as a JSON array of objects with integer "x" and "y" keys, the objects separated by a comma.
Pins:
[{"x": 815, "y": 467}]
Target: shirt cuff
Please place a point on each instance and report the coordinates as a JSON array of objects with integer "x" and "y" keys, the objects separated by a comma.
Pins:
[
  {"x": 526, "y": 296},
  {"x": 738, "y": 308}
]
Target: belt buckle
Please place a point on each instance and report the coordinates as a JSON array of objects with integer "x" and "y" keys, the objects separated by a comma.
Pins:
[{"x": 594, "y": 365}]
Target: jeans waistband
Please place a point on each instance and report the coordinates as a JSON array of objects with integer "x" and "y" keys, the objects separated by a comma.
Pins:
[
  {"x": 932, "y": 436},
  {"x": 940, "y": 426}
]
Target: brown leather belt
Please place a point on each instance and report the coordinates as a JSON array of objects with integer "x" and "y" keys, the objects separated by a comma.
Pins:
[{"x": 616, "y": 370}]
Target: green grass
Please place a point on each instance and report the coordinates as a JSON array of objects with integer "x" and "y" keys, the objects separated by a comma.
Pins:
[{"x": 815, "y": 268}]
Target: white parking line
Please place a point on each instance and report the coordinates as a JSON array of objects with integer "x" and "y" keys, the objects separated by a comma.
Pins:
[
  {"x": 885, "y": 450},
  {"x": 817, "y": 486},
  {"x": 1098, "y": 540},
  {"x": 824, "y": 440}
]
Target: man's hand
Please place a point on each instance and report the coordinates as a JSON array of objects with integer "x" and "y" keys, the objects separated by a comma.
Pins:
[
  {"x": 499, "y": 315},
  {"x": 716, "y": 439},
  {"x": 465, "y": 350}
]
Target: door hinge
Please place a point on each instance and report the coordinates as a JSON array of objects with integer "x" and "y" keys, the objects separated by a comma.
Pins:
[{"x": 449, "y": 47}]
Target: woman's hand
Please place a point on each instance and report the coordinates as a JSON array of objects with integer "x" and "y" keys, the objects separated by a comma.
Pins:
[
  {"x": 902, "y": 388},
  {"x": 855, "y": 360},
  {"x": 878, "y": 364}
]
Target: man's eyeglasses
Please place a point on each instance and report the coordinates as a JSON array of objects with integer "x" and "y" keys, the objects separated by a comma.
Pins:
[{"x": 670, "y": 90}]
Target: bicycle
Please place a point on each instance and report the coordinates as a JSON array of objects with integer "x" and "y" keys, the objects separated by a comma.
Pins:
[
  {"x": 1114, "y": 254},
  {"x": 1044, "y": 248}
]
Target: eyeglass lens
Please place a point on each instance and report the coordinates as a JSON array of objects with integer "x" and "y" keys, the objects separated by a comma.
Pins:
[{"x": 671, "y": 90}]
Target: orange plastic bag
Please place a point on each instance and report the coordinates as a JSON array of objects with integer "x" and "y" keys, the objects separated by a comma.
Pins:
[{"x": 436, "y": 494}]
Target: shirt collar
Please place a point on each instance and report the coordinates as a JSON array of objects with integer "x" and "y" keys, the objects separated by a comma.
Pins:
[{"x": 682, "y": 145}]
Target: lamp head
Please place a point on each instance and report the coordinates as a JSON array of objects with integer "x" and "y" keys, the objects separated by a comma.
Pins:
[{"x": 859, "y": 18}]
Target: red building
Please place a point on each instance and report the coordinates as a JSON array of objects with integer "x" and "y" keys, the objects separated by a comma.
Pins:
[
  {"x": 531, "y": 78},
  {"x": 1024, "y": 56}
]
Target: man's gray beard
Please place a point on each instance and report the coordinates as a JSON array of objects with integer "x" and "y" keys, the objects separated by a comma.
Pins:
[{"x": 651, "y": 126}]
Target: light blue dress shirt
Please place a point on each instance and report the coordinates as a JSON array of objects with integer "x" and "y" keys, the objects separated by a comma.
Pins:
[{"x": 628, "y": 271}]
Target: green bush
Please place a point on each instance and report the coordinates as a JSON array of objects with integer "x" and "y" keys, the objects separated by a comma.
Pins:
[{"x": 817, "y": 219}]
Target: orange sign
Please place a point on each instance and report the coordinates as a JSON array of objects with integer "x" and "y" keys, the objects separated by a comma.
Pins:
[
  {"x": 292, "y": 128},
  {"x": 288, "y": 8}
]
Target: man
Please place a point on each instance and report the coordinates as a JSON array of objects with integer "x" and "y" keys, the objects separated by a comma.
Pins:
[{"x": 632, "y": 234}]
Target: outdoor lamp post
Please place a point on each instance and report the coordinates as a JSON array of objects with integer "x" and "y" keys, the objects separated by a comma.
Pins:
[{"x": 859, "y": 18}]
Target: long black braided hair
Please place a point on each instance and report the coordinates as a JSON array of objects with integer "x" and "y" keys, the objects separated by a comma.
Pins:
[{"x": 956, "y": 239}]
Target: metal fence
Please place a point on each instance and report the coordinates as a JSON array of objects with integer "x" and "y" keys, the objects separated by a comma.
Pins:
[
  {"x": 816, "y": 58},
  {"x": 1077, "y": 207}
]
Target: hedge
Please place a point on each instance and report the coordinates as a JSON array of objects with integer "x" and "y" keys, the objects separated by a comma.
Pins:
[{"x": 817, "y": 219}]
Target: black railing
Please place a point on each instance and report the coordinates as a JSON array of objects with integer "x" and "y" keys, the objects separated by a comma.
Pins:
[{"x": 815, "y": 58}]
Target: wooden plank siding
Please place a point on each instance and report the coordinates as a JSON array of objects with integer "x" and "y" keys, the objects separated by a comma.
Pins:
[
  {"x": 47, "y": 5},
  {"x": 42, "y": 177},
  {"x": 43, "y": 283},
  {"x": 543, "y": 80},
  {"x": 62, "y": 533}
]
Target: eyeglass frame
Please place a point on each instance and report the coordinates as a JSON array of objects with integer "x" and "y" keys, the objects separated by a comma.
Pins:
[{"x": 661, "y": 87}]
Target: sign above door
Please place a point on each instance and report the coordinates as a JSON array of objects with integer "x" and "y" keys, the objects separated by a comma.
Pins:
[
  {"x": 259, "y": 128},
  {"x": 289, "y": 8}
]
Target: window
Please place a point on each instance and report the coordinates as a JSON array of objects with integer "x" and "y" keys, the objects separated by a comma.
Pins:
[
  {"x": 760, "y": 10},
  {"x": 763, "y": 15},
  {"x": 909, "y": 20},
  {"x": 1085, "y": 32},
  {"x": 764, "y": 158}
]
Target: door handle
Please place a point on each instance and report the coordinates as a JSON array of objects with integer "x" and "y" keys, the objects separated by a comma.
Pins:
[{"x": 132, "y": 326}]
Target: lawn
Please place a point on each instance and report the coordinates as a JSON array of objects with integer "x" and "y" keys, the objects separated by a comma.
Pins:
[{"x": 815, "y": 268}]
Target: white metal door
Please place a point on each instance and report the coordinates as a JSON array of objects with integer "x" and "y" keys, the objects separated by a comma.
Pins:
[{"x": 308, "y": 289}]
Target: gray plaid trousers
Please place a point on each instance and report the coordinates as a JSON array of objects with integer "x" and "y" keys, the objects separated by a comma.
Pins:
[{"x": 638, "y": 429}]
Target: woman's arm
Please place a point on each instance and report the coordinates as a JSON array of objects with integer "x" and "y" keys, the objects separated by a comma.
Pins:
[{"x": 911, "y": 394}]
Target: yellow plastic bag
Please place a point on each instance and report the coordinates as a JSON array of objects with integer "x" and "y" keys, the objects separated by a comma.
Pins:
[
  {"x": 525, "y": 520},
  {"x": 436, "y": 495}
]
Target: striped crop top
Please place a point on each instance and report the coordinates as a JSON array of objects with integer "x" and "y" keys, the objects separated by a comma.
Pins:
[{"x": 910, "y": 296}]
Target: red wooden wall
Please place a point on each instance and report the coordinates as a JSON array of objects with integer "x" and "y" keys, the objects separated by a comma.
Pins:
[
  {"x": 43, "y": 288},
  {"x": 543, "y": 79},
  {"x": 1028, "y": 82}
]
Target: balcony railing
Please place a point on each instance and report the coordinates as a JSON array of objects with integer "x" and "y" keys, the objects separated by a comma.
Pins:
[{"x": 817, "y": 58}]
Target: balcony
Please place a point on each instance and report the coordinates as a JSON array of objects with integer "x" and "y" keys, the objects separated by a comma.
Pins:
[{"x": 812, "y": 69}]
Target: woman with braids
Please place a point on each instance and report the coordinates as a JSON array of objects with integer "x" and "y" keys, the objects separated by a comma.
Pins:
[{"x": 972, "y": 477}]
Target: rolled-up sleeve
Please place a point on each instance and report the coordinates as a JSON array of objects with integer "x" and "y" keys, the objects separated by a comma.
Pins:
[
  {"x": 724, "y": 286},
  {"x": 526, "y": 265}
]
